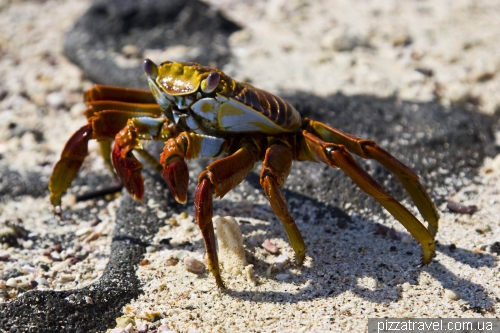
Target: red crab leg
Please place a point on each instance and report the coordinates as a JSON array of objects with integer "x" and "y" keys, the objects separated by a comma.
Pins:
[
  {"x": 129, "y": 138},
  {"x": 220, "y": 177},
  {"x": 122, "y": 105},
  {"x": 370, "y": 150},
  {"x": 337, "y": 156},
  {"x": 275, "y": 170},
  {"x": 185, "y": 146}
]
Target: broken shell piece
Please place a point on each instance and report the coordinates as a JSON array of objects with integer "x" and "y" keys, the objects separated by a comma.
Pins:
[
  {"x": 270, "y": 247},
  {"x": 230, "y": 239}
]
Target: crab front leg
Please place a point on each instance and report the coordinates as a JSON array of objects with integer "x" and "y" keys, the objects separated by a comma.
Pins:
[
  {"x": 337, "y": 156},
  {"x": 275, "y": 169},
  {"x": 127, "y": 166},
  {"x": 370, "y": 150},
  {"x": 220, "y": 177}
]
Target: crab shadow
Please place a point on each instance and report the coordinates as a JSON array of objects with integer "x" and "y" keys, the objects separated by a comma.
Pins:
[{"x": 344, "y": 255}]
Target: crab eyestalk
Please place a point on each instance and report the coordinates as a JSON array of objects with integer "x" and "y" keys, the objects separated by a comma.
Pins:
[
  {"x": 165, "y": 104},
  {"x": 210, "y": 83},
  {"x": 150, "y": 68}
]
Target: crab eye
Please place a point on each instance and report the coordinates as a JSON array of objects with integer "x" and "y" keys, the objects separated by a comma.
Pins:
[
  {"x": 210, "y": 83},
  {"x": 150, "y": 68}
]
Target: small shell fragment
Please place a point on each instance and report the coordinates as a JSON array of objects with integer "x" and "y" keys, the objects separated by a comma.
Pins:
[
  {"x": 281, "y": 261},
  {"x": 172, "y": 261},
  {"x": 194, "y": 266},
  {"x": 270, "y": 247},
  {"x": 231, "y": 250}
]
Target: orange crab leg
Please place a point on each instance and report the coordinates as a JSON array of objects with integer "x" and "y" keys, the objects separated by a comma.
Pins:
[
  {"x": 337, "y": 156},
  {"x": 101, "y": 92},
  {"x": 369, "y": 149},
  {"x": 275, "y": 170}
]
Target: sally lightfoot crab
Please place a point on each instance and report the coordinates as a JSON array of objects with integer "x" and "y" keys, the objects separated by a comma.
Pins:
[{"x": 199, "y": 112}]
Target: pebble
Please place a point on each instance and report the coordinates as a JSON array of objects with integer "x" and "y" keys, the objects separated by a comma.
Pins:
[
  {"x": 451, "y": 295},
  {"x": 406, "y": 239},
  {"x": 3, "y": 284},
  {"x": 41, "y": 281},
  {"x": 194, "y": 266},
  {"x": 282, "y": 277},
  {"x": 124, "y": 321},
  {"x": 118, "y": 330},
  {"x": 55, "y": 99},
  {"x": 495, "y": 248},
  {"x": 11, "y": 283},
  {"x": 144, "y": 262},
  {"x": 151, "y": 249},
  {"x": 55, "y": 256},
  {"x": 270, "y": 247},
  {"x": 165, "y": 329},
  {"x": 27, "y": 268},
  {"x": 28, "y": 244},
  {"x": 457, "y": 207},
  {"x": 172, "y": 261},
  {"x": 143, "y": 328},
  {"x": 63, "y": 278},
  {"x": 281, "y": 261}
]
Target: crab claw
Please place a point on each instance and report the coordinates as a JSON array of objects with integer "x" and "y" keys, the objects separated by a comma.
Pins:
[
  {"x": 129, "y": 169},
  {"x": 176, "y": 174}
]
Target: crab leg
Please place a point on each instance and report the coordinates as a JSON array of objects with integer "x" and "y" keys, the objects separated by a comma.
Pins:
[
  {"x": 275, "y": 170},
  {"x": 102, "y": 126},
  {"x": 101, "y": 98},
  {"x": 338, "y": 156},
  {"x": 101, "y": 92},
  {"x": 129, "y": 138},
  {"x": 71, "y": 160},
  {"x": 220, "y": 177},
  {"x": 370, "y": 150}
]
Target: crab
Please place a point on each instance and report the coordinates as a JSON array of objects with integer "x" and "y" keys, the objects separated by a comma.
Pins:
[{"x": 198, "y": 111}]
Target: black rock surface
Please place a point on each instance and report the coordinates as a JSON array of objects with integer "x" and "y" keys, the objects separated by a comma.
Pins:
[{"x": 98, "y": 37}]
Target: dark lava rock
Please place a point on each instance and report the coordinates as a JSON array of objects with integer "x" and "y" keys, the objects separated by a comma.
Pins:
[{"x": 98, "y": 37}]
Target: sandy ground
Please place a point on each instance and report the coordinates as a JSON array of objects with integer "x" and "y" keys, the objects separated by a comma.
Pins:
[{"x": 446, "y": 51}]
